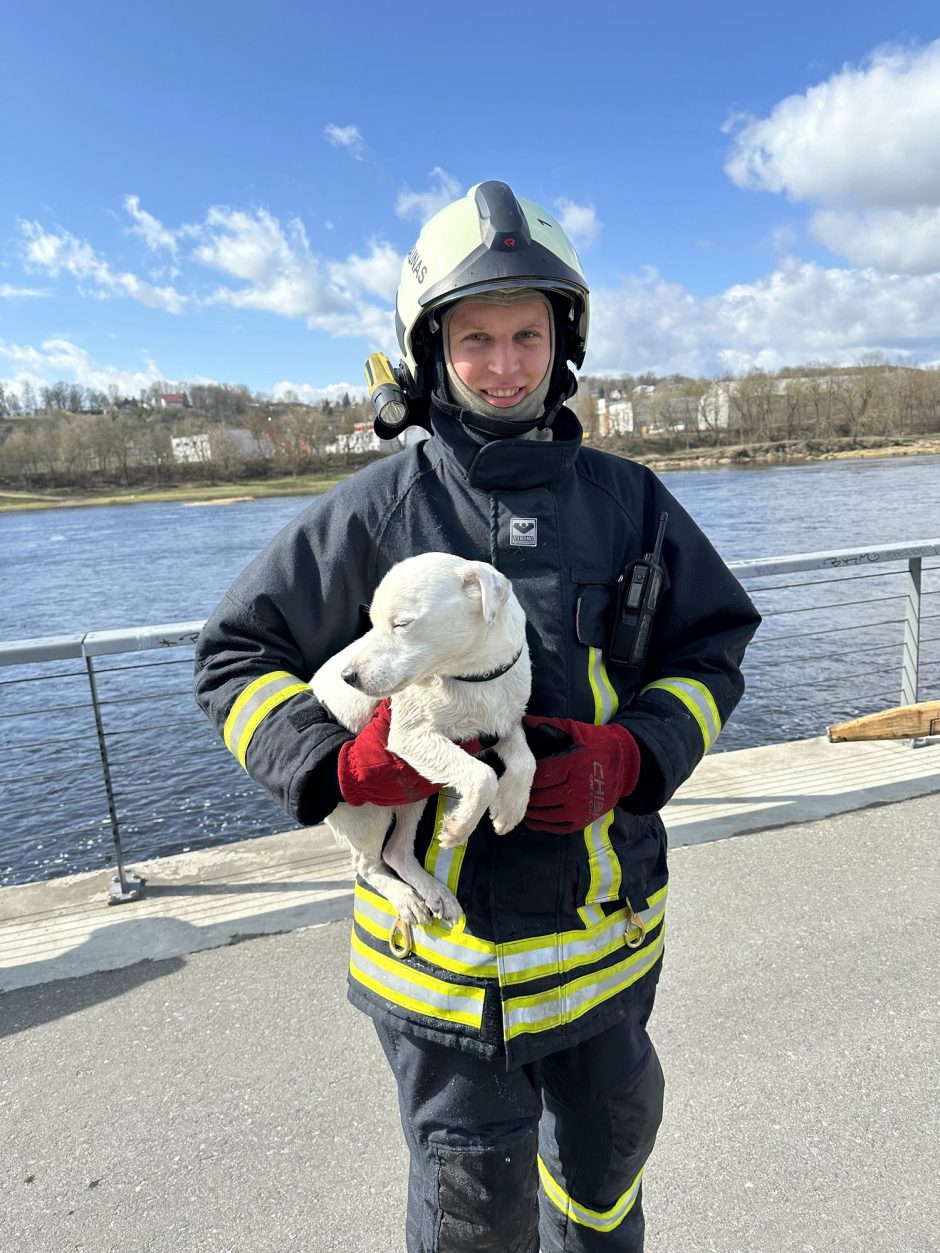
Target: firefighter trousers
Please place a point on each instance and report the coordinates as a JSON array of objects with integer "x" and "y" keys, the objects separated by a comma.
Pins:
[{"x": 547, "y": 1157}]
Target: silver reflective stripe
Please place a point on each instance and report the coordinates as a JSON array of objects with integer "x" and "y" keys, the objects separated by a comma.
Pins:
[
  {"x": 445, "y": 864},
  {"x": 254, "y": 703},
  {"x": 698, "y": 700},
  {"x": 605, "y": 698},
  {"x": 444, "y": 946},
  {"x": 528, "y": 959},
  {"x": 603, "y": 862},
  {"x": 541, "y": 1011},
  {"x": 412, "y": 989},
  {"x": 599, "y": 1220}
]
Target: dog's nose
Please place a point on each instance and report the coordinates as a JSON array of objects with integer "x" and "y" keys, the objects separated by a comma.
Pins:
[{"x": 351, "y": 677}]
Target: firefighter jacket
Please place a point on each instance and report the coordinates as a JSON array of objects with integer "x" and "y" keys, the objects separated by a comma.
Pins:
[{"x": 561, "y": 934}]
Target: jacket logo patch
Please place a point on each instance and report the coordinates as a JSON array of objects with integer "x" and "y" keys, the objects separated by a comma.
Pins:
[{"x": 524, "y": 531}]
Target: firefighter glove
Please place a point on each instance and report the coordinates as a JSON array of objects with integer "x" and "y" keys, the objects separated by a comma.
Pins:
[
  {"x": 582, "y": 771},
  {"x": 369, "y": 774}
]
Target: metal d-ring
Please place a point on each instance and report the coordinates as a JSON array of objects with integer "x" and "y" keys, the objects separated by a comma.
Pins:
[
  {"x": 400, "y": 939},
  {"x": 636, "y": 928}
]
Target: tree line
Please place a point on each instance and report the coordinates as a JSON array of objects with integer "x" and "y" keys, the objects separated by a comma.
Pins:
[
  {"x": 815, "y": 402},
  {"x": 223, "y": 433},
  {"x": 66, "y": 440}
]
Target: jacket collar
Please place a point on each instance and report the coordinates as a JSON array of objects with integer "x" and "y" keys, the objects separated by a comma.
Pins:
[{"x": 490, "y": 463}]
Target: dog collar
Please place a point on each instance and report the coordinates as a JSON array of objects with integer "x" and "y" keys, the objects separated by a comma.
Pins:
[{"x": 488, "y": 674}]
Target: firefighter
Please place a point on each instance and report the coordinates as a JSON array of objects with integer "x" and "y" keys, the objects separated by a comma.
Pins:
[{"x": 530, "y": 1092}]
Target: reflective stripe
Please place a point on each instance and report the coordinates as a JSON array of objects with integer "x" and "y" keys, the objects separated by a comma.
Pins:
[
  {"x": 254, "y": 704},
  {"x": 541, "y": 1011},
  {"x": 413, "y": 990},
  {"x": 591, "y": 915},
  {"x": 605, "y": 698},
  {"x": 603, "y": 862},
  {"x": 600, "y": 1220},
  {"x": 447, "y": 947},
  {"x": 445, "y": 864},
  {"x": 518, "y": 961},
  {"x": 698, "y": 700},
  {"x": 523, "y": 960}
]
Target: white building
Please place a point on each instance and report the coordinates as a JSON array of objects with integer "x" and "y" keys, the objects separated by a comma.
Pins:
[
  {"x": 207, "y": 446},
  {"x": 362, "y": 438}
]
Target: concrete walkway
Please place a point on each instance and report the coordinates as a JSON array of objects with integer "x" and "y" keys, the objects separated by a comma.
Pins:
[
  {"x": 195, "y": 901},
  {"x": 229, "y": 1101}
]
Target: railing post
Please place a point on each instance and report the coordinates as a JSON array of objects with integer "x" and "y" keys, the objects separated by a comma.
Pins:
[
  {"x": 910, "y": 660},
  {"x": 121, "y": 888}
]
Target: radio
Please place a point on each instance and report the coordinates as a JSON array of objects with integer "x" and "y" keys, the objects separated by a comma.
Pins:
[{"x": 637, "y": 599}]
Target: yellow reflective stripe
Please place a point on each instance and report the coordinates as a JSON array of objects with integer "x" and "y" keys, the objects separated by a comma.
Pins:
[
  {"x": 254, "y": 703},
  {"x": 540, "y": 1011},
  {"x": 605, "y": 698},
  {"x": 698, "y": 700},
  {"x": 445, "y": 864},
  {"x": 602, "y": 860},
  {"x": 599, "y": 1220},
  {"x": 448, "y": 947},
  {"x": 413, "y": 990},
  {"x": 523, "y": 960}
]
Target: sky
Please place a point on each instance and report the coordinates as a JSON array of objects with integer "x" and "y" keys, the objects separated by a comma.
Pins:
[{"x": 224, "y": 192}]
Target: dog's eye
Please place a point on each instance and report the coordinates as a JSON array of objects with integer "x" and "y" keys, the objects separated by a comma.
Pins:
[{"x": 404, "y": 622}]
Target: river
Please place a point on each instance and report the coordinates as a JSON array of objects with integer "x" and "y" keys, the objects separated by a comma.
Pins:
[{"x": 68, "y": 571}]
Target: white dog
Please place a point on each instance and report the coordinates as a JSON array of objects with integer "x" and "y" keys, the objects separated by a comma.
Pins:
[{"x": 448, "y": 646}]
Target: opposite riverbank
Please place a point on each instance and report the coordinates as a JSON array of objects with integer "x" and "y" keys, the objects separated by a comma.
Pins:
[{"x": 236, "y": 491}]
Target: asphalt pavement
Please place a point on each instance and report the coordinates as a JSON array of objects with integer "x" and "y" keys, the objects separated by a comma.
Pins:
[{"x": 230, "y": 1101}]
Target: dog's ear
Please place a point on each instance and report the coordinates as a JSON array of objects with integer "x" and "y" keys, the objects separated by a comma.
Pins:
[{"x": 482, "y": 580}]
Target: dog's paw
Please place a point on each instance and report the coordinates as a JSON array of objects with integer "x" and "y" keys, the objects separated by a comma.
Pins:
[
  {"x": 443, "y": 904},
  {"x": 413, "y": 910},
  {"x": 506, "y": 819},
  {"x": 508, "y": 809}
]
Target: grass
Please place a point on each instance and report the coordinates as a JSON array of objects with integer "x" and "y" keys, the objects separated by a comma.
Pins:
[
  {"x": 313, "y": 484},
  {"x": 302, "y": 485}
]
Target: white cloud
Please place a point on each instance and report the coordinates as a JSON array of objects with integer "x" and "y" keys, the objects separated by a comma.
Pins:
[
  {"x": 424, "y": 204},
  {"x": 862, "y": 138},
  {"x": 7, "y": 291},
  {"x": 348, "y": 137},
  {"x": 579, "y": 221},
  {"x": 154, "y": 234},
  {"x": 894, "y": 240},
  {"x": 781, "y": 238},
  {"x": 57, "y": 359},
  {"x": 53, "y": 252},
  {"x": 284, "y": 276},
  {"x": 377, "y": 273},
  {"x": 800, "y": 312},
  {"x": 859, "y": 146},
  {"x": 310, "y": 395},
  {"x": 265, "y": 265}
]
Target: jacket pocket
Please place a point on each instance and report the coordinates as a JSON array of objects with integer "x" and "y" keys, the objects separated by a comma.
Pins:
[{"x": 594, "y": 591}]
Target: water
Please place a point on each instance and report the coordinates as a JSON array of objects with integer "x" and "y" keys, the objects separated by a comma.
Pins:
[{"x": 75, "y": 570}]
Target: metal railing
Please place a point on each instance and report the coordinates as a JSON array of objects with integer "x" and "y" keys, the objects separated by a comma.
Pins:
[{"x": 834, "y": 622}]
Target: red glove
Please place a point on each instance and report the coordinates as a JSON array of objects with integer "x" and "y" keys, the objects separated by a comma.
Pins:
[
  {"x": 371, "y": 775},
  {"x": 582, "y": 771}
]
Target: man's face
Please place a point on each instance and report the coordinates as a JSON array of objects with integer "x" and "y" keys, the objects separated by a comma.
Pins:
[{"x": 501, "y": 352}]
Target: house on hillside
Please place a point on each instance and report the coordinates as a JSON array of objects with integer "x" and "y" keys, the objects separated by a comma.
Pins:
[
  {"x": 614, "y": 414},
  {"x": 173, "y": 400},
  {"x": 217, "y": 444}
]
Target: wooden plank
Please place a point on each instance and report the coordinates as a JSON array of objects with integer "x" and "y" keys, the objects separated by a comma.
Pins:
[{"x": 905, "y": 722}]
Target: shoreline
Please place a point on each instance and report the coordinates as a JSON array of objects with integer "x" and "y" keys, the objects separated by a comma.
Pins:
[
  {"x": 731, "y": 456},
  {"x": 793, "y": 452}
]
